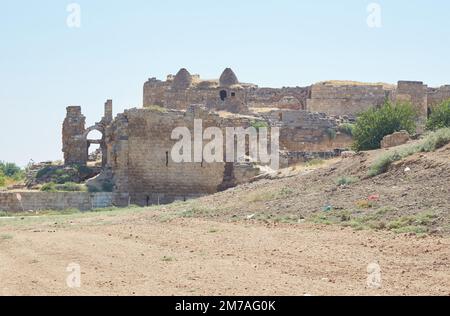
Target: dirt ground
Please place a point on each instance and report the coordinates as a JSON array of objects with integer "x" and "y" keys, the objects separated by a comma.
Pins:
[
  {"x": 137, "y": 253},
  {"x": 298, "y": 233}
]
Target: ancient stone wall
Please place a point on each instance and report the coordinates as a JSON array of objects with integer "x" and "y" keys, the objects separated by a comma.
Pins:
[
  {"x": 304, "y": 131},
  {"x": 284, "y": 98},
  {"x": 141, "y": 161},
  {"x": 438, "y": 95},
  {"x": 39, "y": 201},
  {"x": 183, "y": 90},
  {"x": 345, "y": 100},
  {"x": 415, "y": 93}
]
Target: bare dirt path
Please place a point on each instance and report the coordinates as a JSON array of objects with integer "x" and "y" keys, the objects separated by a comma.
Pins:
[{"x": 139, "y": 254}]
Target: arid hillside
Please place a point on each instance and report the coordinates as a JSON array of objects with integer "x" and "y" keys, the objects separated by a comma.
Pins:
[{"x": 310, "y": 230}]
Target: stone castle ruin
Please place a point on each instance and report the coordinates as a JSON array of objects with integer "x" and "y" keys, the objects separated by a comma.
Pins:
[{"x": 135, "y": 145}]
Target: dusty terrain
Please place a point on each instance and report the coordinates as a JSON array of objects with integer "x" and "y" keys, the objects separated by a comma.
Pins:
[
  {"x": 138, "y": 254},
  {"x": 298, "y": 234}
]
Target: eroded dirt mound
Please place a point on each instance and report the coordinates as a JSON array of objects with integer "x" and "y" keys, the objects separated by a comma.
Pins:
[{"x": 412, "y": 196}]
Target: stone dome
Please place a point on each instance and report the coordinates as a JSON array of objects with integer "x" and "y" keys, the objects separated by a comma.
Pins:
[
  {"x": 228, "y": 78},
  {"x": 182, "y": 80}
]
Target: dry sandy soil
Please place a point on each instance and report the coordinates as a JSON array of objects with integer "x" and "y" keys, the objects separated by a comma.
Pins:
[
  {"x": 137, "y": 253},
  {"x": 264, "y": 238}
]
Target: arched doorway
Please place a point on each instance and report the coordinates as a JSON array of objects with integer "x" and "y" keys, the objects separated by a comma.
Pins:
[
  {"x": 223, "y": 95},
  {"x": 96, "y": 146}
]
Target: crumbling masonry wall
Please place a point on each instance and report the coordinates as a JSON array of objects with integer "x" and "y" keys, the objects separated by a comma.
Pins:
[
  {"x": 140, "y": 148},
  {"x": 74, "y": 141},
  {"x": 345, "y": 100}
]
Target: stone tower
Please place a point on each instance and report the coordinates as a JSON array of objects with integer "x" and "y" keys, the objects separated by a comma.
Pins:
[{"x": 74, "y": 141}]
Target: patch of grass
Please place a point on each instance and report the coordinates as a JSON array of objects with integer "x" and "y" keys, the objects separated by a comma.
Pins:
[
  {"x": 382, "y": 164},
  {"x": 333, "y": 217},
  {"x": 431, "y": 142},
  {"x": 420, "y": 223},
  {"x": 6, "y": 237},
  {"x": 157, "y": 108},
  {"x": 344, "y": 180},
  {"x": 167, "y": 259},
  {"x": 66, "y": 187},
  {"x": 285, "y": 192},
  {"x": 364, "y": 204},
  {"x": 287, "y": 219},
  {"x": 315, "y": 162},
  {"x": 196, "y": 211},
  {"x": 261, "y": 196},
  {"x": 435, "y": 140},
  {"x": 269, "y": 196}
]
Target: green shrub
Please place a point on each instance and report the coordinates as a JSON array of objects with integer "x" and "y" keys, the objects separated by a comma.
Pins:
[
  {"x": 382, "y": 164},
  {"x": 440, "y": 116},
  {"x": 435, "y": 140},
  {"x": 49, "y": 187},
  {"x": 156, "y": 108},
  {"x": 374, "y": 124},
  {"x": 2, "y": 179},
  {"x": 259, "y": 124},
  {"x": 331, "y": 133},
  {"x": 11, "y": 170},
  {"x": 66, "y": 187},
  {"x": 346, "y": 128},
  {"x": 346, "y": 180}
]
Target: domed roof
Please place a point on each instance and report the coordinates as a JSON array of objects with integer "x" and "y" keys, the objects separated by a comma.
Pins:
[
  {"x": 182, "y": 80},
  {"x": 228, "y": 78}
]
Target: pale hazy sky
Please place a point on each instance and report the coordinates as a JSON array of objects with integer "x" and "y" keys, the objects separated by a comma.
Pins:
[{"x": 46, "y": 66}]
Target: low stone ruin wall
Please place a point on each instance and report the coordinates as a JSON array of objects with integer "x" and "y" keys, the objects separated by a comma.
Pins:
[
  {"x": 39, "y": 201},
  {"x": 294, "y": 158}
]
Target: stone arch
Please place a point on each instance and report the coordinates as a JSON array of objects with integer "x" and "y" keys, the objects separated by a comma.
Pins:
[{"x": 98, "y": 140}]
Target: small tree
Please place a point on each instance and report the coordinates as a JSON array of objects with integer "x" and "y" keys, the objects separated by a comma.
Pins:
[
  {"x": 440, "y": 116},
  {"x": 11, "y": 170},
  {"x": 373, "y": 125},
  {"x": 2, "y": 179}
]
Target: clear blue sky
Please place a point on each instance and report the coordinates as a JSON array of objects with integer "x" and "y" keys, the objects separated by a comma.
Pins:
[{"x": 46, "y": 66}]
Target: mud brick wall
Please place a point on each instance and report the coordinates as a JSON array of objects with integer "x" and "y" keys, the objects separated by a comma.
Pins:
[
  {"x": 38, "y": 201},
  {"x": 341, "y": 100}
]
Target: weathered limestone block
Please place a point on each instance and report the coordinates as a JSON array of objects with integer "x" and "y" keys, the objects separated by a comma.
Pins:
[{"x": 396, "y": 139}]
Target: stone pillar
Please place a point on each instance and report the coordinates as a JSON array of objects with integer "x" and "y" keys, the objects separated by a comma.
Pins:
[
  {"x": 74, "y": 142},
  {"x": 108, "y": 112}
]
